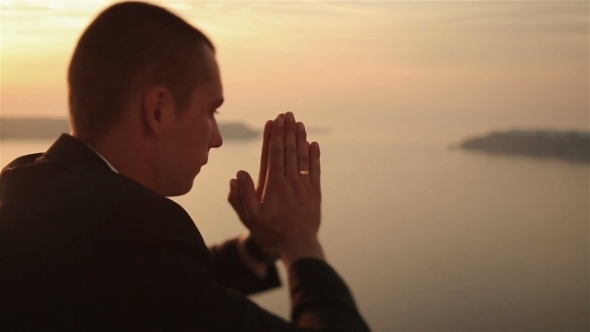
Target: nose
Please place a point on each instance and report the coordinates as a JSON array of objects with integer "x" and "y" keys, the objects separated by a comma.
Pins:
[{"x": 215, "y": 140}]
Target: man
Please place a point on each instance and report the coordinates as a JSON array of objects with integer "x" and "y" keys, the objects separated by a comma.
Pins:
[{"x": 88, "y": 239}]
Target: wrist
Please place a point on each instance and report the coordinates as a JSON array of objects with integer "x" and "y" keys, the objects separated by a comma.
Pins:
[
  {"x": 255, "y": 266},
  {"x": 256, "y": 253},
  {"x": 311, "y": 249}
]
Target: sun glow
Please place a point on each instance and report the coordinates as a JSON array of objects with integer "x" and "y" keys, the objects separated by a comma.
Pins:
[{"x": 519, "y": 57}]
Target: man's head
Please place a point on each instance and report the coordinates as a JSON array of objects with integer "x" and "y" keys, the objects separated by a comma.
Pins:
[{"x": 145, "y": 77}]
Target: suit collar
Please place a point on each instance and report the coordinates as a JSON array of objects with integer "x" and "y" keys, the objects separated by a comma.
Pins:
[
  {"x": 69, "y": 148},
  {"x": 21, "y": 179}
]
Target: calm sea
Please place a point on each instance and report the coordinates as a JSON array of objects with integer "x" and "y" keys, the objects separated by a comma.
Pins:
[{"x": 428, "y": 237}]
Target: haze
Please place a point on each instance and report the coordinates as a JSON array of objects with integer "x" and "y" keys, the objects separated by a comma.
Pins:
[{"x": 368, "y": 68}]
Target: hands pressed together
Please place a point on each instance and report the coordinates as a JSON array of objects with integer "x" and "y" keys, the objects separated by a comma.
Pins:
[{"x": 283, "y": 212}]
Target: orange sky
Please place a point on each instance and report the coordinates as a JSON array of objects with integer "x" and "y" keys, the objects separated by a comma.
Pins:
[{"x": 353, "y": 61}]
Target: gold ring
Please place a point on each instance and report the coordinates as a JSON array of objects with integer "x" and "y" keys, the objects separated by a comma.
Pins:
[{"x": 303, "y": 172}]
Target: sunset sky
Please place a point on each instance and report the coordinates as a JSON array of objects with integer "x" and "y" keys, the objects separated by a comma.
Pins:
[{"x": 353, "y": 63}]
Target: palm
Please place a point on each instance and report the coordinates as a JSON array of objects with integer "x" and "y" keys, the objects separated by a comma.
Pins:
[
  {"x": 282, "y": 196},
  {"x": 285, "y": 205}
]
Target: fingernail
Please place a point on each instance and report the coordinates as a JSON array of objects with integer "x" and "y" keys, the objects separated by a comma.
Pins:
[
  {"x": 300, "y": 126},
  {"x": 280, "y": 122}
]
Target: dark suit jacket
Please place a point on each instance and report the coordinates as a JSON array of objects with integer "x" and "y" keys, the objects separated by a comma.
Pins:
[{"x": 84, "y": 248}]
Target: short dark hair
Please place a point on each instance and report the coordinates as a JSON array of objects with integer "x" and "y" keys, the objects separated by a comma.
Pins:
[{"x": 126, "y": 46}]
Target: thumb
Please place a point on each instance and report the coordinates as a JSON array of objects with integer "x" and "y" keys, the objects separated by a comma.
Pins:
[
  {"x": 247, "y": 193},
  {"x": 234, "y": 199}
]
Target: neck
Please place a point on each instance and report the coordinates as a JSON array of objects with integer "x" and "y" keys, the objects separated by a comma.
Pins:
[{"x": 129, "y": 155}]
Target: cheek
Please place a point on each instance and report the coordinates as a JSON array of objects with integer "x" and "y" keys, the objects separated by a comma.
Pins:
[
  {"x": 203, "y": 135},
  {"x": 179, "y": 153}
]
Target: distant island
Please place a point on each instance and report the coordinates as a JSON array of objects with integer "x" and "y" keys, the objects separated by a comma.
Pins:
[
  {"x": 51, "y": 128},
  {"x": 564, "y": 145}
]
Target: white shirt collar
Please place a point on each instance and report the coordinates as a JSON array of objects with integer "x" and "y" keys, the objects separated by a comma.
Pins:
[{"x": 106, "y": 161}]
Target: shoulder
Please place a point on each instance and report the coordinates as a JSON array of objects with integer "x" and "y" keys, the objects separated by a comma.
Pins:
[
  {"x": 101, "y": 200},
  {"x": 116, "y": 188},
  {"x": 136, "y": 217},
  {"x": 130, "y": 199},
  {"x": 121, "y": 213},
  {"x": 115, "y": 191},
  {"x": 23, "y": 160}
]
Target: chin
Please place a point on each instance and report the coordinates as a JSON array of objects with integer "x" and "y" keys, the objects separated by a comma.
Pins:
[
  {"x": 184, "y": 187},
  {"x": 197, "y": 172},
  {"x": 179, "y": 190}
]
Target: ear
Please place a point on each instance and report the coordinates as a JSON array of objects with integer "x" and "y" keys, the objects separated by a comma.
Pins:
[{"x": 157, "y": 108}]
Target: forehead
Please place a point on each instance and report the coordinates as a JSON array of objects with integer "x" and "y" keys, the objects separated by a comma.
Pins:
[
  {"x": 211, "y": 87},
  {"x": 214, "y": 76}
]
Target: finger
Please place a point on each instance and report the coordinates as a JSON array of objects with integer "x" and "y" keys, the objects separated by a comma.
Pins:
[
  {"x": 276, "y": 161},
  {"x": 234, "y": 199},
  {"x": 264, "y": 159},
  {"x": 314, "y": 165},
  {"x": 247, "y": 195},
  {"x": 302, "y": 149},
  {"x": 290, "y": 144}
]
